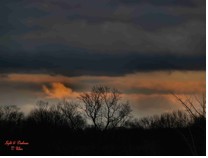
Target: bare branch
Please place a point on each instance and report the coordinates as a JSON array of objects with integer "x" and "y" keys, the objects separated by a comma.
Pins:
[{"x": 102, "y": 105}]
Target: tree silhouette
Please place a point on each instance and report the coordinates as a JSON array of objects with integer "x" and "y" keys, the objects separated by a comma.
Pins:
[
  {"x": 11, "y": 118},
  {"x": 70, "y": 112},
  {"x": 104, "y": 107},
  {"x": 176, "y": 119},
  {"x": 57, "y": 127},
  {"x": 64, "y": 113},
  {"x": 10, "y": 113},
  {"x": 194, "y": 110}
]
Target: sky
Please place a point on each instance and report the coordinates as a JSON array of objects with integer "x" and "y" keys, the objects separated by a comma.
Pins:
[{"x": 52, "y": 49}]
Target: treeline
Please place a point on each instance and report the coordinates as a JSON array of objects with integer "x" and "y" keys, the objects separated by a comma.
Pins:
[
  {"x": 65, "y": 116},
  {"x": 100, "y": 124}
]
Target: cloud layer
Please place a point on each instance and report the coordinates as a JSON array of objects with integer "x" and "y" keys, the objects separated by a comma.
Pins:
[
  {"x": 148, "y": 93},
  {"x": 109, "y": 37}
]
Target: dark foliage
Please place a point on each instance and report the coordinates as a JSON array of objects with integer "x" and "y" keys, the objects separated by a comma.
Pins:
[
  {"x": 63, "y": 129},
  {"x": 50, "y": 132}
]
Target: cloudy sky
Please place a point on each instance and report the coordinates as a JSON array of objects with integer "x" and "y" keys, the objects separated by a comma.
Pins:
[{"x": 51, "y": 49}]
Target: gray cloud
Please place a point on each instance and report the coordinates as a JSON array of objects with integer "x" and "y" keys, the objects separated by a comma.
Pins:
[
  {"x": 188, "y": 38},
  {"x": 184, "y": 3},
  {"x": 102, "y": 37},
  {"x": 79, "y": 62}
]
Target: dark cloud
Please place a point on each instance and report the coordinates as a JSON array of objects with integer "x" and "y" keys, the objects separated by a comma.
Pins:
[
  {"x": 83, "y": 63},
  {"x": 186, "y": 3},
  {"x": 116, "y": 37},
  {"x": 101, "y": 37},
  {"x": 14, "y": 13}
]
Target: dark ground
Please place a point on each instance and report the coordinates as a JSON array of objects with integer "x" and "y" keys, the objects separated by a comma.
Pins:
[{"x": 55, "y": 141}]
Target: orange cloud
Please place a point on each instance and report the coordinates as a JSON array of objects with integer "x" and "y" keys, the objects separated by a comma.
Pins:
[
  {"x": 162, "y": 82},
  {"x": 36, "y": 78},
  {"x": 58, "y": 91},
  {"x": 147, "y": 92},
  {"x": 180, "y": 82}
]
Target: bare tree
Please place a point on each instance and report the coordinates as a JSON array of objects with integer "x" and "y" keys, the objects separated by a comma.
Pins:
[
  {"x": 196, "y": 108},
  {"x": 62, "y": 113},
  {"x": 11, "y": 113},
  {"x": 70, "y": 112},
  {"x": 104, "y": 107},
  {"x": 194, "y": 105}
]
